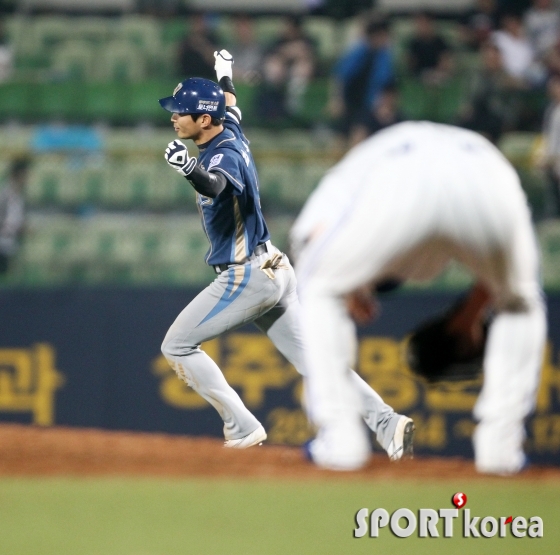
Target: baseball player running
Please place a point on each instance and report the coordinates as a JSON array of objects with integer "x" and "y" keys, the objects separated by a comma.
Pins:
[
  {"x": 401, "y": 205},
  {"x": 255, "y": 281}
]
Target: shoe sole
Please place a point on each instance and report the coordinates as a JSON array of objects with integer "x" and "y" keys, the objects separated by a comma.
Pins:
[
  {"x": 258, "y": 439},
  {"x": 406, "y": 451},
  {"x": 408, "y": 437}
]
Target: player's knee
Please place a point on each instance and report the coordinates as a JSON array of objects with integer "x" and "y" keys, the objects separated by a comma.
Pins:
[{"x": 173, "y": 347}]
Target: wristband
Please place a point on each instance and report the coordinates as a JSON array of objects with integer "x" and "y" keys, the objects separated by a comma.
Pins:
[{"x": 227, "y": 85}]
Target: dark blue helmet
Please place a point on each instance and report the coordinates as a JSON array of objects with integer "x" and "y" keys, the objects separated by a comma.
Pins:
[{"x": 196, "y": 96}]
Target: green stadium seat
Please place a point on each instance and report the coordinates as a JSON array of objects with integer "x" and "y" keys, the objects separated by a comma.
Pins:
[
  {"x": 173, "y": 30},
  {"x": 70, "y": 192},
  {"x": 142, "y": 32},
  {"x": 45, "y": 178},
  {"x": 57, "y": 249},
  {"x": 120, "y": 61},
  {"x": 519, "y": 147},
  {"x": 315, "y": 100},
  {"x": 142, "y": 102},
  {"x": 22, "y": 34},
  {"x": 15, "y": 140},
  {"x": 272, "y": 176},
  {"x": 104, "y": 102},
  {"x": 94, "y": 29},
  {"x": 268, "y": 28},
  {"x": 61, "y": 101},
  {"x": 92, "y": 182},
  {"x": 164, "y": 188},
  {"x": 451, "y": 33},
  {"x": 549, "y": 238},
  {"x": 279, "y": 227},
  {"x": 448, "y": 100},
  {"x": 324, "y": 32},
  {"x": 16, "y": 101},
  {"x": 75, "y": 59},
  {"x": 117, "y": 189},
  {"x": 53, "y": 30},
  {"x": 305, "y": 176}
]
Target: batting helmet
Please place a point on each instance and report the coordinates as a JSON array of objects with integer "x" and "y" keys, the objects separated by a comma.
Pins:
[{"x": 196, "y": 96}]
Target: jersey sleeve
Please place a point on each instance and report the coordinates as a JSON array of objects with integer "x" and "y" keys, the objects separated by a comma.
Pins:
[
  {"x": 228, "y": 162},
  {"x": 232, "y": 120}
]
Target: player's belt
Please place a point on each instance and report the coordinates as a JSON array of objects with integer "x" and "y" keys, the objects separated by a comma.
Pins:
[{"x": 262, "y": 248}]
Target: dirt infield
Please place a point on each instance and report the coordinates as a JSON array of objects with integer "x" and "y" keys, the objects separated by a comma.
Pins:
[{"x": 34, "y": 451}]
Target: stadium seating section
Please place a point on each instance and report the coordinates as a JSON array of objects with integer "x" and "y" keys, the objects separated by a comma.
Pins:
[
  {"x": 112, "y": 211},
  {"x": 84, "y": 69}
]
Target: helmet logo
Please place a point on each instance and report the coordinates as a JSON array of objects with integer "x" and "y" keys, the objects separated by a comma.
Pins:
[
  {"x": 208, "y": 105},
  {"x": 177, "y": 88}
]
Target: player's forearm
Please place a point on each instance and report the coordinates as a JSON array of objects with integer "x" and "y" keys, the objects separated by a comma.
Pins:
[
  {"x": 472, "y": 310},
  {"x": 231, "y": 99},
  {"x": 209, "y": 184}
]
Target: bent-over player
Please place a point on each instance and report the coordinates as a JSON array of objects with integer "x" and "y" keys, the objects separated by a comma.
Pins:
[
  {"x": 255, "y": 281},
  {"x": 401, "y": 205}
]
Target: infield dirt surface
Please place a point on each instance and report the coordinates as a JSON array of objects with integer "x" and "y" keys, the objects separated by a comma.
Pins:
[{"x": 33, "y": 451}]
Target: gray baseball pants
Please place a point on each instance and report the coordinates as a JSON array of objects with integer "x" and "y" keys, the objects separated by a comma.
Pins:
[{"x": 245, "y": 293}]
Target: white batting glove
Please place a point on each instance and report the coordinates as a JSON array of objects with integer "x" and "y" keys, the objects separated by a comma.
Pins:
[
  {"x": 223, "y": 65},
  {"x": 177, "y": 156}
]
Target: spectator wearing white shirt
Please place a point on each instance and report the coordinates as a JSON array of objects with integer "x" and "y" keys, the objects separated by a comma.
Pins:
[
  {"x": 12, "y": 212},
  {"x": 6, "y": 55},
  {"x": 516, "y": 50},
  {"x": 542, "y": 25}
]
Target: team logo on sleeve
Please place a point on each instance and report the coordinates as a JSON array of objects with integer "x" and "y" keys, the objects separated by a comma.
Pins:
[{"x": 215, "y": 160}]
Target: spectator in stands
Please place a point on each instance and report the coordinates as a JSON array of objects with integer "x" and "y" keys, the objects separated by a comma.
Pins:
[
  {"x": 429, "y": 56},
  {"x": 493, "y": 102},
  {"x": 288, "y": 67},
  {"x": 360, "y": 76},
  {"x": 514, "y": 46},
  {"x": 551, "y": 161},
  {"x": 542, "y": 25},
  {"x": 196, "y": 51},
  {"x": 12, "y": 212},
  {"x": 476, "y": 25},
  {"x": 246, "y": 51},
  {"x": 551, "y": 59},
  {"x": 385, "y": 112},
  {"x": 6, "y": 54}
]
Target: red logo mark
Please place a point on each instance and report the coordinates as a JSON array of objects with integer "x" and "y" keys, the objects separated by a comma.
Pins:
[
  {"x": 459, "y": 500},
  {"x": 509, "y": 519}
]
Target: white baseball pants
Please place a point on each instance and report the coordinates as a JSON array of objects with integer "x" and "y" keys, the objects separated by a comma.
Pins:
[{"x": 402, "y": 205}]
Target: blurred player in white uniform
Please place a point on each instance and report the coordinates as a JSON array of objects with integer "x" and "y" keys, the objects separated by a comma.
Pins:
[{"x": 400, "y": 206}]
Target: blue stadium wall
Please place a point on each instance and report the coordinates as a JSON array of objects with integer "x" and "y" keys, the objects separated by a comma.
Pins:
[{"x": 91, "y": 358}]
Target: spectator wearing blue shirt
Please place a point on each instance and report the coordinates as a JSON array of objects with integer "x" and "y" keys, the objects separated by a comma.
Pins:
[{"x": 360, "y": 77}]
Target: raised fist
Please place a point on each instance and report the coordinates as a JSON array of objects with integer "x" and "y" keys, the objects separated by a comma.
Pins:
[
  {"x": 223, "y": 65},
  {"x": 177, "y": 156}
]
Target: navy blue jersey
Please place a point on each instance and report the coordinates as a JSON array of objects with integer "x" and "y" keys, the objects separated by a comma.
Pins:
[{"x": 233, "y": 221}]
